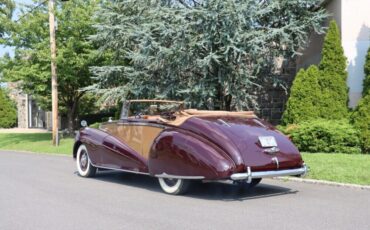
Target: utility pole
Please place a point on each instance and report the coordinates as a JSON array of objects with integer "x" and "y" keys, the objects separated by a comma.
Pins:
[{"x": 54, "y": 80}]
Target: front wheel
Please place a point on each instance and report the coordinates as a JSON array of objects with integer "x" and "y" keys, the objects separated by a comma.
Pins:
[
  {"x": 174, "y": 186},
  {"x": 84, "y": 166}
]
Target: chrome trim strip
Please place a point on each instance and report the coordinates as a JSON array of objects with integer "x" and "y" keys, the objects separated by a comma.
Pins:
[
  {"x": 142, "y": 124},
  {"x": 265, "y": 174},
  {"x": 223, "y": 122},
  {"x": 122, "y": 170},
  {"x": 219, "y": 181},
  {"x": 165, "y": 175}
]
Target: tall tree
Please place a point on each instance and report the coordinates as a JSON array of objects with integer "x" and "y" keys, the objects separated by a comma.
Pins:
[
  {"x": 75, "y": 54},
  {"x": 6, "y": 12},
  {"x": 361, "y": 116},
  {"x": 212, "y": 53},
  {"x": 333, "y": 77},
  {"x": 366, "y": 84}
]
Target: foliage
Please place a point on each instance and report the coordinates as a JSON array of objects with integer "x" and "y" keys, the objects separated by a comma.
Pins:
[
  {"x": 31, "y": 64},
  {"x": 344, "y": 168},
  {"x": 333, "y": 76},
  {"x": 212, "y": 53},
  {"x": 6, "y": 12},
  {"x": 321, "y": 92},
  {"x": 8, "y": 113},
  {"x": 326, "y": 136},
  {"x": 304, "y": 97},
  {"x": 95, "y": 125},
  {"x": 361, "y": 120},
  {"x": 366, "y": 90},
  {"x": 361, "y": 116}
]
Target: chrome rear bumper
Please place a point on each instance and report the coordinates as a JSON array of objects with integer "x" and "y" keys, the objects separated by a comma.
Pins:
[{"x": 249, "y": 175}]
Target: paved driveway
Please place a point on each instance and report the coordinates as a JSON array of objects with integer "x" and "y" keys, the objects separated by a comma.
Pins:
[{"x": 44, "y": 192}]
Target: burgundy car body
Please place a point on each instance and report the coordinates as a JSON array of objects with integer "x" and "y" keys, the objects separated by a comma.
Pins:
[{"x": 205, "y": 145}]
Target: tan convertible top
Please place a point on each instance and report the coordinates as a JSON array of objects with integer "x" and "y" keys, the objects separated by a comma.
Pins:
[{"x": 183, "y": 115}]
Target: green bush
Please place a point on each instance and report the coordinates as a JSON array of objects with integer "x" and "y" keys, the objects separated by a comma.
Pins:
[
  {"x": 95, "y": 125},
  {"x": 366, "y": 84},
  {"x": 304, "y": 97},
  {"x": 361, "y": 120},
  {"x": 8, "y": 113},
  {"x": 361, "y": 116},
  {"x": 326, "y": 136},
  {"x": 321, "y": 92}
]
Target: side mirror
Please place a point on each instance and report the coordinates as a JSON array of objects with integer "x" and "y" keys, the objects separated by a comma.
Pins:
[{"x": 84, "y": 123}]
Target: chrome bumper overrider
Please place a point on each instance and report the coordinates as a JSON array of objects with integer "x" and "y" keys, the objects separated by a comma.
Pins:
[{"x": 249, "y": 175}]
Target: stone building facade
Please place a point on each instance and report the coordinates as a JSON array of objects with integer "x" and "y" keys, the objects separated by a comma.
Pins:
[
  {"x": 29, "y": 114},
  {"x": 272, "y": 99}
]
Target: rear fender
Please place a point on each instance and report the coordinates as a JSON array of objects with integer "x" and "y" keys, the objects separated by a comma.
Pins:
[{"x": 182, "y": 153}]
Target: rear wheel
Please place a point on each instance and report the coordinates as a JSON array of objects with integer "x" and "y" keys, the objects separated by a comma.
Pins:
[
  {"x": 84, "y": 166},
  {"x": 254, "y": 182},
  {"x": 174, "y": 186}
]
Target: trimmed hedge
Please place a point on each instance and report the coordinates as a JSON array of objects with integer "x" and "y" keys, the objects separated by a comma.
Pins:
[
  {"x": 361, "y": 120},
  {"x": 326, "y": 136},
  {"x": 8, "y": 112},
  {"x": 361, "y": 116},
  {"x": 304, "y": 97},
  {"x": 321, "y": 92}
]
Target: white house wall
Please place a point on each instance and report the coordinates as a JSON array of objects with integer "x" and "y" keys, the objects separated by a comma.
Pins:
[
  {"x": 312, "y": 55},
  {"x": 355, "y": 41}
]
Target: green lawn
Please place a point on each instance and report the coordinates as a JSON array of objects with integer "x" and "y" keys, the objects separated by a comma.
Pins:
[
  {"x": 35, "y": 142},
  {"x": 345, "y": 168},
  {"x": 354, "y": 169}
]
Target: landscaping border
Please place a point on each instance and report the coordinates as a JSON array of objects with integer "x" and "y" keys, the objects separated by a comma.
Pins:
[{"x": 324, "y": 182}]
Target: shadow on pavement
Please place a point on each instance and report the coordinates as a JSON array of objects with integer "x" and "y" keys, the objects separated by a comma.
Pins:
[{"x": 208, "y": 191}]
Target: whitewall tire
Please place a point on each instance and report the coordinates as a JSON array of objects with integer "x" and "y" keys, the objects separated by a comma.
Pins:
[
  {"x": 84, "y": 166},
  {"x": 174, "y": 186}
]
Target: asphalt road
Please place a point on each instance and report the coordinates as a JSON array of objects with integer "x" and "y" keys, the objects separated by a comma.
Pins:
[{"x": 44, "y": 192}]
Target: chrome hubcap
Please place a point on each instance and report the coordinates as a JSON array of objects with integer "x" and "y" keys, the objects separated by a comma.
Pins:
[
  {"x": 83, "y": 160},
  {"x": 170, "y": 182}
]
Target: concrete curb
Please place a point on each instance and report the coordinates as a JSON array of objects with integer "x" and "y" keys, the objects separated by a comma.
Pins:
[{"x": 324, "y": 182}]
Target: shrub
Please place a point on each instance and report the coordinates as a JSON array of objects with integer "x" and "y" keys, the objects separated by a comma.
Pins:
[
  {"x": 361, "y": 116},
  {"x": 361, "y": 120},
  {"x": 325, "y": 136},
  {"x": 8, "y": 113},
  {"x": 366, "y": 84},
  {"x": 333, "y": 76},
  {"x": 304, "y": 97}
]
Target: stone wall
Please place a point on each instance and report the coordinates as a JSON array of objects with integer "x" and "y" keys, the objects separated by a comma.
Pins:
[
  {"x": 29, "y": 114},
  {"x": 272, "y": 99}
]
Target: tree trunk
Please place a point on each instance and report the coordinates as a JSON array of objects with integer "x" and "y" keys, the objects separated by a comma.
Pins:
[{"x": 71, "y": 115}]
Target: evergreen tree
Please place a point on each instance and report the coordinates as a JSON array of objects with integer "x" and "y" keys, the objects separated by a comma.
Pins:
[
  {"x": 8, "y": 113},
  {"x": 304, "y": 97},
  {"x": 366, "y": 84},
  {"x": 212, "y": 53},
  {"x": 361, "y": 116},
  {"x": 333, "y": 76}
]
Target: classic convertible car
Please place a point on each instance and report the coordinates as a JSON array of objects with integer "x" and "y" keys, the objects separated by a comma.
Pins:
[{"x": 177, "y": 145}]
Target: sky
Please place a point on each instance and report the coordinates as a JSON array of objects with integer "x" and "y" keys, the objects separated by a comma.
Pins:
[{"x": 3, "y": 49}]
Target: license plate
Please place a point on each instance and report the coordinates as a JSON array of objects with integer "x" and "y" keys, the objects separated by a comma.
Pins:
[{"x": 267, "y": 141}]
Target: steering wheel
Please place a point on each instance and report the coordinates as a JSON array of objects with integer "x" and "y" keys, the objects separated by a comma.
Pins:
[
  {"x": 168, "y": 115},
  {"x": 138, "y": 115}
]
